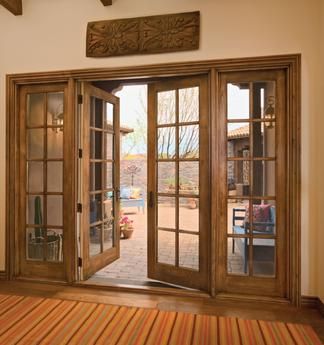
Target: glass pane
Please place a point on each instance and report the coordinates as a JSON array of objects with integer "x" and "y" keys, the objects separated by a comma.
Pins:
[
  {"x": 35, "y": 109},
  {"x": 238, "y": 256},
  {"x": 55, "y": 245},
  {"x": 264, "y": 140},
  {"x": 189, "y": 141},
  {"x": 264, "y": 257},
  {"x": 35, "y": 244},
  {"x": 95, "y": 208},
  {"x": 109, "y": 116},
  {"x": 264, "y": 178},
  {"x": 166, "y": 177},
  {"x": 238, "y": 178},
  {"x": 96, "y": 113},
  {"x": 166, "y": 212},
  {"x": 109, "y": 175},
  {"x": 35, "y": 175},
  {"x": 109, "y": 145},
  {"x": 96, "y": 145},
  {"x": 238, "y": 101},
  {"x": 35, "y": 209},
  {"x": 189, "y": 178},
  {"x": 35, "y": 146},
  {"x": 189, "y": 251},
  {"x": 108, "y": 240},
  {"x": 55, "y": 143},
  {"x": 264, "y": 217},
  {"x": 95, "y": 240},
  {"x": 55, "y": 177},
  {"x": 166, "y": 247},
  {"x": 189, "y": 104},
  {"x": 166, "y": 107},
  {"x": 189, "y": 214},
  {"x": 166, "y": 143},
  {"x": 264, "y": 100},
  {"x": 55, "y": 210},
  {"x": 55, "y": 108},
  {"x": 108, "y": 206},
  {"x": 237, "y": 216},
  {"x": 95, "y": 176},
  {"x": 238, "y": 139}
]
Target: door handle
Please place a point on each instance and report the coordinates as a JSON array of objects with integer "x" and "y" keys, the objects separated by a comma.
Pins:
[{"x": 151, "y": 199}]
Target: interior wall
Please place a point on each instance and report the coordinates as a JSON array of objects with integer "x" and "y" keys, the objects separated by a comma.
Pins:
[{"x": 51, "y": 36}]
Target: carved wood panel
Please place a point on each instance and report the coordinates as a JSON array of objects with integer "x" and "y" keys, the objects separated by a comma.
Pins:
[{"x": 144, "y": 35}]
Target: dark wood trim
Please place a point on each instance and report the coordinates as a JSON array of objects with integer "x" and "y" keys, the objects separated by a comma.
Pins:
[
  {"x": 312, "y": 302},
  {"x": 290, "y": 63},
  {"x": 3, "y": 275},
  {"x": 106, "y": 2},
  {"x": 14, "y": 6}
]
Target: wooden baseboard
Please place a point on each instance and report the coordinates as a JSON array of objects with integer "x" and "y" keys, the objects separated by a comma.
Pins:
[
  {"x": 312, "y": 302},
  {"x": 3, "y": 275}
]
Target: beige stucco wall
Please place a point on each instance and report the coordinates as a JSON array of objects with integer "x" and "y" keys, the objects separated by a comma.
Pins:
[{"x": 51, "y": 36}]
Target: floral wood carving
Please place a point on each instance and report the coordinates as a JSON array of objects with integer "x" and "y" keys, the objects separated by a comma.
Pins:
[{"x": 144, "y": 35}]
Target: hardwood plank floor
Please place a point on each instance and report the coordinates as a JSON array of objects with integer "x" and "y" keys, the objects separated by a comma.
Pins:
[{"x": 199, "y": 305}]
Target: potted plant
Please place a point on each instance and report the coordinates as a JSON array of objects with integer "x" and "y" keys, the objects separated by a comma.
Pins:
[{"x": 126, "y": 227}]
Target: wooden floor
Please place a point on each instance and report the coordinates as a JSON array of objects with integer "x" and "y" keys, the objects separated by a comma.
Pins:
[{"x": 199, "y": 305}]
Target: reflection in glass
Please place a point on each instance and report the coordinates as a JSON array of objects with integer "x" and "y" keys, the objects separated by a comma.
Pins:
[
  {"x": 108, "y": 206},
  {"x": 264, "y": 178},
  {"x": 189, "y": 141},
  {"x": 189, "y": 214},
  {"x": 54, "y": 143},
  {"x": 35, "y": 109},
  {"x": 166, "y": 107},
  {"x": 96, "y": 113},
  {"x": 166, "y": 212},
  {"x": 238, "y": 255},
  {"x": 237, "y": 216},
  {"x": 238, "y": 178},
  {"x": 55, "y": 210},
  {"x": 166, "y": 143},
  {"x": 95, "y": 208},
  {"x": 109, "y": 175},
  {"x": 108, "y": 235},
  {"x": 189, "y": 251},
  {"x": 264, "y": 140},
  {"x": 95, "y": 240},
  {"x": 166, "y": 177},
  {"x": 35, "y": 210},
  {"x": 189, "y": 104},
  {"x": 55, "y": 109},
  {"x": 54, "y": 245},
  {"x": 35, "y": 143},
  {"x": 264, "y": 257},
  {"x": 238, "y": 139},
  {"x": 109, "y": 116},
  {"x": 95, "y": 176},
  {"x": 95, "y": 144},
  {"x": 189, "y": 177},
  {"x": 238, "y": 101},
  {"x": 55, "y": 177},
  {"x": 35, "y": 244},
  {"x": 166, "y": 247},
  {"x": 108, "y": 145},
  {"x": 264, "y": 99},
  {"x": 35, "y": 175}
]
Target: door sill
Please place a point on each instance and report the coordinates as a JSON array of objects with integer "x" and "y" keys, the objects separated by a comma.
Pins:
[{"x": 157, "y": 290}]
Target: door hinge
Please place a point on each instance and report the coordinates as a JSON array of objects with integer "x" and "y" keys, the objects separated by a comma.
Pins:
[
  {"x": 80, "y": 99},
  {"x": 79, "y": 262},
  {"x": 79, "y": 208},
  {"x": 80, "y": 153}
]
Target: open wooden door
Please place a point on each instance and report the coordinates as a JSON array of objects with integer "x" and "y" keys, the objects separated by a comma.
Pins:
[
  {"x": 178, "y": 182},
  {"x": 99, "y": 180}
]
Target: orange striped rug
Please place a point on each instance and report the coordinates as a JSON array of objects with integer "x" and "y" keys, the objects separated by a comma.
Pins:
[{"x": 34, "y": 320}]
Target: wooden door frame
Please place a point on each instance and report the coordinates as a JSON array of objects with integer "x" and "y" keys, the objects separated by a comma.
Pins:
[{"x": 292, "y": 66}]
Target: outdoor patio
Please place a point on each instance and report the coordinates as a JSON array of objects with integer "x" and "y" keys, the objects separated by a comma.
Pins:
[{"x": 132, "y": 265}]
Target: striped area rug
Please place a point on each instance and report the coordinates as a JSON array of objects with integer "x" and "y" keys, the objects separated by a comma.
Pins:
[{"x": 33, "y": 320}]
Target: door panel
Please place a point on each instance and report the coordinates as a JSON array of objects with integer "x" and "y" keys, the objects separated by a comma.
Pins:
[
  {"x": 253, "y": 161},
  {"x": 178, "y": 213},
  {"x": 100, "y": 180}
]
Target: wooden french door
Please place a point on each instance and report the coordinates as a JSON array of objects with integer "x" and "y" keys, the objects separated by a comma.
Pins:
[
  {"x": 44, "y": 195},
  {"x": 178, "y": 182},
  {"x": 99, "y": 180},
  {"x": 252, "y": 132}
]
